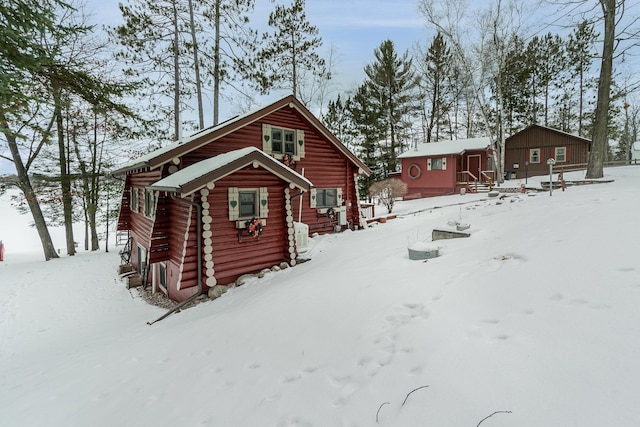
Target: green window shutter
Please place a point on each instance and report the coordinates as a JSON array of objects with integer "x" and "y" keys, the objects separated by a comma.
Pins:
[
  {"x": 234, "y": 204},
  {"x": 313, "y": 198},
  {"x": 338, "y": 196},
  {"x": 444, "y": 163},
  {"x": 266, "y": 138},
  {"x": 428, "y": 164},
  {"x": 300, "y": 148},
  {"x": 263, "y": 207}
]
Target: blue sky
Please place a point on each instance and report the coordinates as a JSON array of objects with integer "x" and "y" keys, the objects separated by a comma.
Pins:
[{"x": 354, "y": 28}]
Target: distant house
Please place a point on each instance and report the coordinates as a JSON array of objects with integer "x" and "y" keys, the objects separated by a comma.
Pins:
[
  {"x": 439, "y": 168},
  {"x": 526, "y": 152},
  {"x": 228, "y": 200},
  {"x": 635, "y": 152}
]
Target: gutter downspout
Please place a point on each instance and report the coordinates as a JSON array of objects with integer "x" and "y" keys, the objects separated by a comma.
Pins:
[{"x": 199, "y": 249}]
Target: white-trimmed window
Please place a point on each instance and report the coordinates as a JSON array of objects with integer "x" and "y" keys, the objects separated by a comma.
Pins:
[
  {"x": 534, "y": 155},
  {"x": 325, "y": 197},
  {"x": 150, "y": 199},
  {"x": 248, "y": 203},
  {"x": 134, "y": 200},
  {"x": 162, "y": 276},
  {"x": 437, "y": 164},
  {"x": 142, "y": 260},
  {"x": 560, "y": 154},
  {"x": 279, "y": 141}
]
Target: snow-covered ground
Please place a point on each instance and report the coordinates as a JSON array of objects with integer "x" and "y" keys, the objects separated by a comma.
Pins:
[{"x": 531, "y": 321}]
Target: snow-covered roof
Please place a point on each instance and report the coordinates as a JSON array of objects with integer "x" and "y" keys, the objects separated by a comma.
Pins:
[
  {"x": 457, "y": 146},
  {"x": 191, "y": 178}
]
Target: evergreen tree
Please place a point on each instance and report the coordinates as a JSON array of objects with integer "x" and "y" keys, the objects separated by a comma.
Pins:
[
  {"x": 517, "y": 72},
  {"x": 153, "y": 34},
  {"x": 391, "y": 84},
  {"x": 233, "y": 42},
  {"x": 579, "y": 52},
  {"x": 339, "y": 121},
  {"x": 34, "y": 71},
  {"x": 370, "y": 126},
  {"x": 289, "y": 52},
  {"x": 438, "y": 96}
]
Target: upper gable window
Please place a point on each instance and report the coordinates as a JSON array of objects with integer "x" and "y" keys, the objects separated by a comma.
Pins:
[{"x": 279, "y": 142}]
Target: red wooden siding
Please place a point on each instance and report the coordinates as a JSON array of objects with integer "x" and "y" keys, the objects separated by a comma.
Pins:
[
  {"x": 429, "y": 183},
  {"x": 323, "y": 164},
  {"x": 518, "y": 146},
  {"x": 234, "y": 256}
]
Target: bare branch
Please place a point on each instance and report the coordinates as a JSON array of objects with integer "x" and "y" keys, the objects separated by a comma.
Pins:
[
  {"x": 378, "y": 412},
  {"x": 489, "y": 416},
  {"x": 408, "y": 394}
]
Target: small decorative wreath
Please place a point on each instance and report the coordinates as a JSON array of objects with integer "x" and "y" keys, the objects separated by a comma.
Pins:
[
  {"x": 414, "y": 171},
  {"x": 331, "y": 214},
  {"x": 288, "y": 161},
  {"x": 254, "y": 227}
]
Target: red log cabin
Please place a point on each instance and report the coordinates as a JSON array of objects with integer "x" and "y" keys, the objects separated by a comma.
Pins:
[{"x": 226, "y": 201}]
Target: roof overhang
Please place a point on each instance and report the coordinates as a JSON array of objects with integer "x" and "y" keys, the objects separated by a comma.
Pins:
[
  {"x": 176, "y": 150},
  {"x": 198, "y": 175}
]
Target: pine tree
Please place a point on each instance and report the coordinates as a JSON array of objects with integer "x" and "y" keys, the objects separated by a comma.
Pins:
[
  {"x": 339, "y": 121},
  {"x": 370, "y": 126},
  {"x": 391, "y": 84},
  {"x": 36, "y": 80},
  {"x": 579, "y": 52},
  {"x": 289, "y": 53},
  {"x": 436, "y": 70}
]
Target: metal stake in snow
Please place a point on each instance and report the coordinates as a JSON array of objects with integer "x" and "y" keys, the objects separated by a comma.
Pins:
[{"x": 551, "y": 162}]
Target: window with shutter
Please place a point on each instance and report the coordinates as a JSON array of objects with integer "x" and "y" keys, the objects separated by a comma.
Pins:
[
  {"x": 234, "y": 204},
  {"x": 313, "y": 198},
  {"x": 281, "y": 141},
  {"x": 328, "y": 197},
  {"x": 534, "y": 155},
  {"x": 248, "y": 203}
]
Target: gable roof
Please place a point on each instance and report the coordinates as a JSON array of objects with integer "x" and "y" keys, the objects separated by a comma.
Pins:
[
  {"x": 196, "y": 176},
  {"x": 164, "y": 155},
  {"x": 441, "y": 148},
  {"x": 578, "y": 137}
]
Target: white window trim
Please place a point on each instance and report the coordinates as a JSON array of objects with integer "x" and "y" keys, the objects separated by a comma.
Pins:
[
  {"x": 564, "y": 154},
  {"x": 298, "y": 142},
  {"x": 150, "y": 211},
  {"x": 134, "y": 199},
  {"x": 443, "y": 163},
  {"x": 262, "y": 203},
  {"x": 531, "y": 151}
]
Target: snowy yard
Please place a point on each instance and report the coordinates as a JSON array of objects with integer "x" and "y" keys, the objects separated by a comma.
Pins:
[{"x": 534, "y": 318}]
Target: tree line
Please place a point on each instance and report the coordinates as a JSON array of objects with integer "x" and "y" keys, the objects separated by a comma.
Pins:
[{"x": 76, "y": 101}]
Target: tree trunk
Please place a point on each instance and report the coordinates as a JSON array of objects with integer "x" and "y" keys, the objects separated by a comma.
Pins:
[
  {"x": 65, "y": 179},
  {"x": 216, "y": 66},
  {"x": 25, "y": 185},
  {"x": 196, "y": 65},
  {"x": 600, "y": 141},
  {"x": 176, "y": 74}
]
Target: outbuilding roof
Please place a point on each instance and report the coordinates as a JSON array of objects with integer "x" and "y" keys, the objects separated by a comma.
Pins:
[
  {"x": 442, "y": 148},
  {"x": 198, "y": 175}
]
